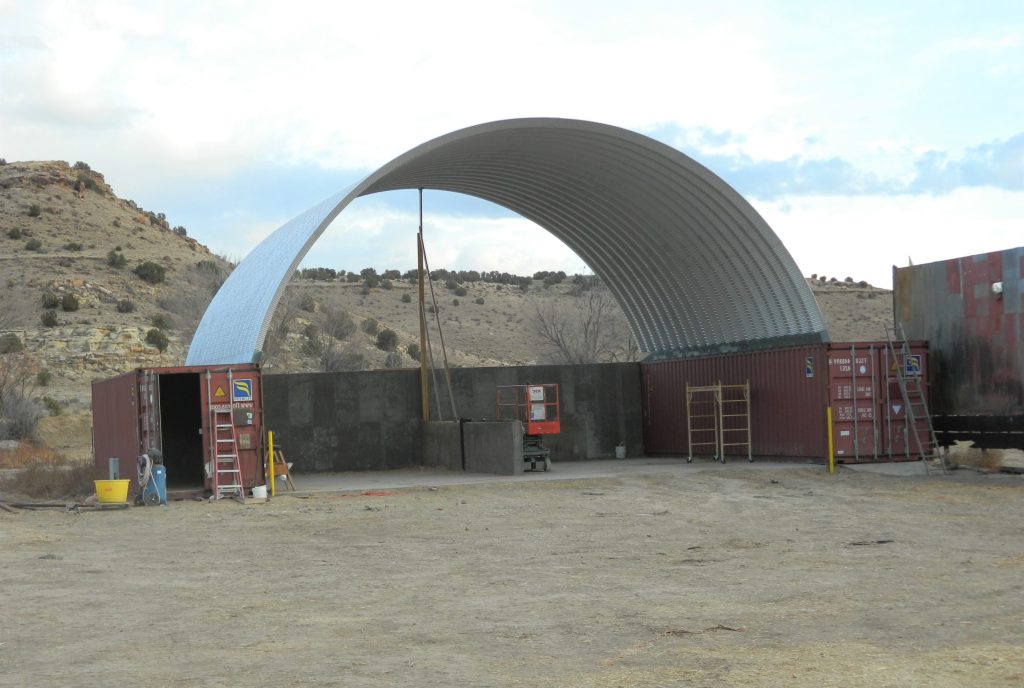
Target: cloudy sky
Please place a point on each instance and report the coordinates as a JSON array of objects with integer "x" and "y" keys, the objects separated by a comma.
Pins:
[{"x": 865, "y": 133}]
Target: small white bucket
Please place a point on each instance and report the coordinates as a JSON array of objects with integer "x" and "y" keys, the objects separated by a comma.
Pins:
[
  {"x": 620, "y": 451},
  {"x": 259, "y": 492}
]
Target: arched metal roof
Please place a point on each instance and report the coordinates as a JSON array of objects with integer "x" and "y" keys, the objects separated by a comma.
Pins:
[{"x": 691, "y": 263}]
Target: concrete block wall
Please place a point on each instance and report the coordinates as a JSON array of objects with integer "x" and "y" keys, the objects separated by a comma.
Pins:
[{"x": 371, "y": 420}]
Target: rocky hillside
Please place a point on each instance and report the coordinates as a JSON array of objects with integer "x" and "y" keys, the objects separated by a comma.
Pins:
[{"x": 94, "y": 285}]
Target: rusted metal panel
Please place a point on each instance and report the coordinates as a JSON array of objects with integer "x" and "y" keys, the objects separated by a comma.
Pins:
[
  {"x": 971, "y": 311},
  {"x": 115, "y": 424},
  {"x": 183, "y": 398},
  {"x": 788, "y": 398}
]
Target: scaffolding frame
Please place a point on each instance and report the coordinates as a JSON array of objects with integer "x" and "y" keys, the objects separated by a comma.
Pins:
[{"x": 726, "y": 409}]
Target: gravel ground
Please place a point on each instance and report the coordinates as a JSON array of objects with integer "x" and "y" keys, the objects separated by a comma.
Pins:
[{"x": 725, "y": 576}]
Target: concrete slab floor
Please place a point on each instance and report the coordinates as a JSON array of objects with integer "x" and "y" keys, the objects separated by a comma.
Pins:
[{"x": 359, "y": 481}]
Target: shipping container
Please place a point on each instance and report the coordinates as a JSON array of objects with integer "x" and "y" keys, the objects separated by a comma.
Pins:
[
  {"x": 790, "y": 392},
  {"x": 971, "y": 311},
  {"x": 171, "y": 410}
]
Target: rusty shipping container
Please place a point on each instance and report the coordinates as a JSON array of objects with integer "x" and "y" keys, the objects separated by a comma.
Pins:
[
  {"x": 170, "y": 409},
  {"x": 790, "y": 392},
  {"x": 971, "y": 311}
]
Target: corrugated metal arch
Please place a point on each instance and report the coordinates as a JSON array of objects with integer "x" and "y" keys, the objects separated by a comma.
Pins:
[{"x": 692, "y": 264}]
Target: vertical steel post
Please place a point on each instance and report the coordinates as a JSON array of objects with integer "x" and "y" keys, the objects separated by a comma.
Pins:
[{"x": 424, "y": 378}]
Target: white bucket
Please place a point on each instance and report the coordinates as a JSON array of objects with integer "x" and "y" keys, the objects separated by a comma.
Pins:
[
  {"x": 620, "y": 451},
  {"x": 259, "y": 492}
]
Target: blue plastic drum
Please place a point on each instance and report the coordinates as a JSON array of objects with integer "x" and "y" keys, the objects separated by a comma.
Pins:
[{"x": 156, "y": 488}]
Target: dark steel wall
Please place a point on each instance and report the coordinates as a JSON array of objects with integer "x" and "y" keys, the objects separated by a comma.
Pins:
[
  {"x": 371, "y": 420},
  {"x": 975, "y": 335}
]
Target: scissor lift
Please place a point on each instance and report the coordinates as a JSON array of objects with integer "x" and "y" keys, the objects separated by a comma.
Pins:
[{"x": 536, "y": 407}]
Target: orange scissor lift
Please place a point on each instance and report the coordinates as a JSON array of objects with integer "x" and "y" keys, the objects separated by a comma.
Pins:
[{"x": 536, "y": 407}]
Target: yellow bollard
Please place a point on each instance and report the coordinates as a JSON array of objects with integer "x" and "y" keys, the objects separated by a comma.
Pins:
[
  {"x": 270, "y": 461},
  {"x": 831, "y": 453}
]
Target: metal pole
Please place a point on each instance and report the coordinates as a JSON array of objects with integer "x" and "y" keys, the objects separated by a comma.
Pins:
[
  {"x": 424, "y": 378},
  {"x": 856, "y": 430},
  {"x": 270, "y": 461},
  {"x": 831, "y": 454}
]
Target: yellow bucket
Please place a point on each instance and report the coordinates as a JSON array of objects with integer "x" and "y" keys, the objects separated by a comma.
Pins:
[{"x": 112, "y": 491}]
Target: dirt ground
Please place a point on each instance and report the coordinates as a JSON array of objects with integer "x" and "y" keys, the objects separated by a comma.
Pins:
[{"x": 720, "y": 577}]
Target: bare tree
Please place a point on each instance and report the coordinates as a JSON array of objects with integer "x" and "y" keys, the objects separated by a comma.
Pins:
[
  {"x": 193, "y": 294},
  {"x": 19, "y": 410},
  {"x": 594, "y": 332},
  {"x": 324, "y": 342}
]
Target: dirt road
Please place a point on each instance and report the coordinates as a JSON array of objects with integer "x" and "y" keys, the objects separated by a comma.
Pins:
[{"x": 723, "y": 577}]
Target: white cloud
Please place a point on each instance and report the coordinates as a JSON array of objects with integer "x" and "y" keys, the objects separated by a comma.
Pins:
[{"x": 864, "y": 237}]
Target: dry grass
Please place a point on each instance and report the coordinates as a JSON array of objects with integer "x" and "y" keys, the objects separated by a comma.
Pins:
[
  {"x": 28, "y": 453},
  {"x": 46, "y": 474},
  {"x": 963, "y": 454}
]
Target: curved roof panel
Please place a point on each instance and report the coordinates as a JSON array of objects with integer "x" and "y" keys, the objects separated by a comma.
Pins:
[{"x": 691, "y": 263}]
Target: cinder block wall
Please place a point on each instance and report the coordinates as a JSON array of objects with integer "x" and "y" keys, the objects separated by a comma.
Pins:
[{"x": 371, "y": 420}]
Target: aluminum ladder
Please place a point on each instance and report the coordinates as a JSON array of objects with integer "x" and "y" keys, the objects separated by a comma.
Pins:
[
  {"x": 914, "y": 401},
  {"x": 226, "y": 468}
]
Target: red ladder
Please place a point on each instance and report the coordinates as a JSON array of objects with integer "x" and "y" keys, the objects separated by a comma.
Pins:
[{"x": 226, "y": 470}]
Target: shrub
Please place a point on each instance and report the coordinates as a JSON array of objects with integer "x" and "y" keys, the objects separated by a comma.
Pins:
[
  {"x": 406, "y": 298},
  {"x": 387, "y": 340},
  {"x": 414, "y": 351},
  {"x": 50, "y": 300},
  {"x": 370, "y": 326},
  {"x": 451, "y": 284},
  {"x": 53, "y": 406},
  {"x": 3, "y": 161},
  {"x": 116, "y": 259},
  {"x": 125, "y": 306},
  {"x": 151, "y": 272},
  {"x": 181, "y": 231},
  {"x": 14, "y": 233},
  {"x": 81, "y": 166},
  {"x": 158, "y": 339},
  {"x": 34, "y": 210},
  {"x": 524, "y": 286},
  {"x": 43, "y": 377},
  {"x": 161, "y": 321},
  {"x": 455, "y": 302},
  {"x": 386, "y": 284},
  {"x": 33, "y": 245},
  {"x": 308, "y": 303},
  {"x": 49, "y": 318},
  {"x": 372, "y": 281},
  {"x": 10, "y": 343},
  {"x": 69, "y": 303},
  {"x": 479, "y": 300},
  {"x": 461, "y": 291},
  {"x": 364, "y": 290},
  {"x": 393, "y": 360}
]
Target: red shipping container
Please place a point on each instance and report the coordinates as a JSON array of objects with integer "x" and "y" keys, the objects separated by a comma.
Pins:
[
  {"x": 170, "y": 409},
  {"x": 790, "y": 391}
]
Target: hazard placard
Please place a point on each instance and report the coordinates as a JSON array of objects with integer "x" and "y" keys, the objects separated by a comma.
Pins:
[{"x": 220, "y": 392}]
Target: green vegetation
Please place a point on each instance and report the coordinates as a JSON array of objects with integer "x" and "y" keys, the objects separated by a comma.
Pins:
[
  {"x": 125, "y": 306},
  {"x": 49, "y": 318},
  {"x": 53, "y": 406},
  {"x": 115, "y": 259},
  {"x": 479, "y": 300},
  {"x": 406, "y": 298},
  {"x": 308, "y": 303},
  {"x": 161, "y": 321},
  {"x": 158, "y": 339},
  {"x": 34, "y": 210},
  {"x": 44, "y": 377},
  {"x": 414, "y": 351},
  {"x": 33, "y": 245},
  {"x": 10, "y": 343},
  {"x": 50, "y": 300},
  {"x": 69, "y": 303},
  {"x": 14, "y": 233},
  {"x": 72, "y": 246},
  {"x": 370, "y": 326},
  {"x": 151, "y": 272},
  {"x": 387, "y": 340}
]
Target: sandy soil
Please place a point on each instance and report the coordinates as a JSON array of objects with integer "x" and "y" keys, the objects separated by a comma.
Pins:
[{"x": 723, "y": 577}]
